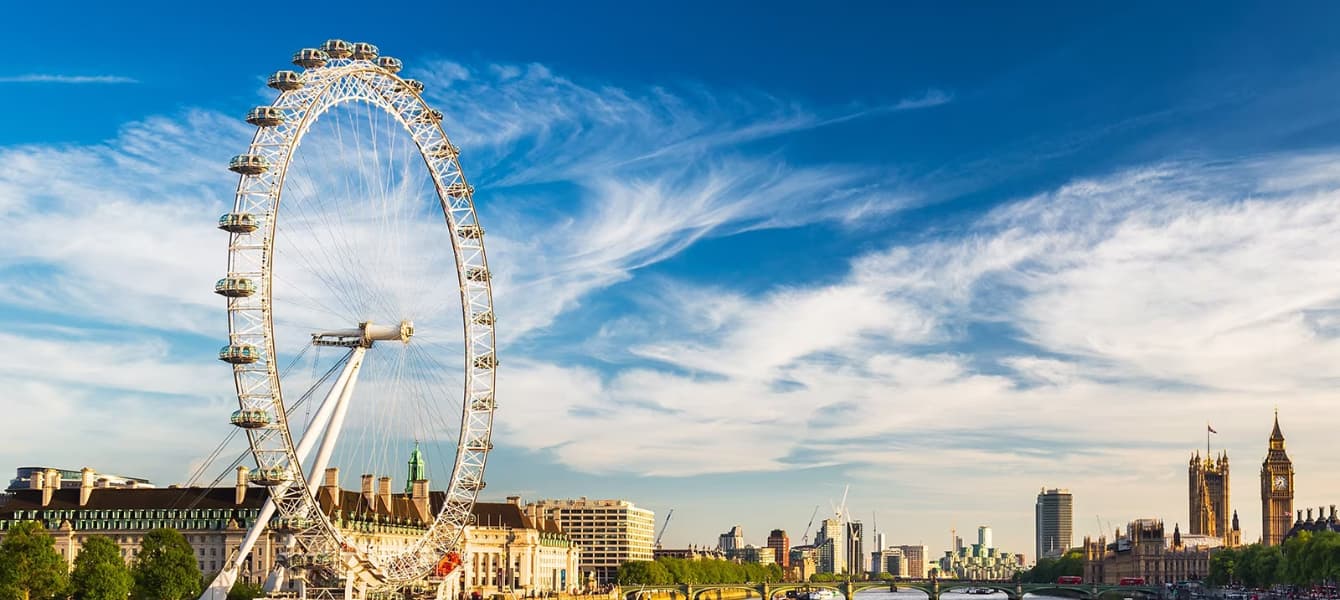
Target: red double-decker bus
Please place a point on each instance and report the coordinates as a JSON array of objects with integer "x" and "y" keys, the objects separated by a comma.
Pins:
[
  {"x": 1131, "y": 581},
  {"x": 1070, "y": 579}
]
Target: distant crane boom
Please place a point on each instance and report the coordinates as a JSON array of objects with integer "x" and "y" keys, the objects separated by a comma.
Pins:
[
  {"x": 805, "y": 539},
  {"x": 665, "y": 524}
]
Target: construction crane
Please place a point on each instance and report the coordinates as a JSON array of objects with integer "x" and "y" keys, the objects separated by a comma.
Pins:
[
  {"x": 663, "y": 526},
  {"x": 805, "y": 539}
]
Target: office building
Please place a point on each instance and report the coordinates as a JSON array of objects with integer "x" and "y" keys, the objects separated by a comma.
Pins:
[
  {"x": 732, "y": 541},
  {"x": 1053, "y": 523},
  {"x": 609, "y": 532},
  {"x": 916, "y": 556},
  {"x": 781, "y": 546},
  {"x": 984, "y": 537},
  {"x": 831, "y": 546}
]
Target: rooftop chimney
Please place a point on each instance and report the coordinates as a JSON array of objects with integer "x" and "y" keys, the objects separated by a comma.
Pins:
[
  {"x": 369, "y": 495},
  {"x": 384, "y": 491},
  {"x": 85, "y": 485},
  {"x": 514, "y": 500},
  {"x": 332, "y": 483},
  {"x": 419, "y": 497},
  {"x": 52, "y": 484},
  {"x": 37, "y": 480},
  {"x": 240, "y": 488}
]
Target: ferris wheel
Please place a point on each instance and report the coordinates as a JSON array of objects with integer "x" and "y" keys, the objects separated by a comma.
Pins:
[{"x": 360, "y": 318}]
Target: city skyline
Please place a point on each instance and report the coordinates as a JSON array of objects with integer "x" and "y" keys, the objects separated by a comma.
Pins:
[{"x": 956, "y": 261}]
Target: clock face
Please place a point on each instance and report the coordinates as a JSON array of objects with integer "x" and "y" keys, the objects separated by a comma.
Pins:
[{"x": 1280, "y": 482}]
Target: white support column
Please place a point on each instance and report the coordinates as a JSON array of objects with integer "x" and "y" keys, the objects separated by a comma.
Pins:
[
  {"x": 218, "y": 589},
  {"x": 332, "y": 430}
]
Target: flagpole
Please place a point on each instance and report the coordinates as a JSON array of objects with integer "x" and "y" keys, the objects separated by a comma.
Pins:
[{"x": 1207, "y": 440}]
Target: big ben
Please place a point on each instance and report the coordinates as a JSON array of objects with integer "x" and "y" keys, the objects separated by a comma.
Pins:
[{"x": 1276, "y": 489}]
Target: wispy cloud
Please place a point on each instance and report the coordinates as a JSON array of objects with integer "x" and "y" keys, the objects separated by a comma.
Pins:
[{"x": 76, "y": 79}]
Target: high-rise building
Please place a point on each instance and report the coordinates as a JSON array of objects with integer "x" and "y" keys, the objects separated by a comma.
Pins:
[
  {"x": 880, "y": 542},
  {"x": 916, "y": 560},
  {"x": 984, "y": 537},
  {"x": 609, "y": 532},
  {"x": 855, "y": 547},
  {"x": 1276, "y": 489},
  {"x": 732, "y": 541},
  {"x": 1208, "y": 496},
  {"x": 1053, "y": 522},
  {"x": 781, "y": 546},
  {"x": 889, "y": 560},
  {"x": 831, "y": 544}
]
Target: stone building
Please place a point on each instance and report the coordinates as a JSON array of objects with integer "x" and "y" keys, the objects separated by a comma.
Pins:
[
  {"x": 1208, "y": 495},
  {"x": 609, "y": 532},
  {"x": 215, "y": 520},
  {"x": 1145, "y": 551},
  {"x": 1276, "y": 489}
]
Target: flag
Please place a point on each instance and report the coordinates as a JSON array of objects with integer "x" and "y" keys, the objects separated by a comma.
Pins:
[{"x": 1207, "y": 426}]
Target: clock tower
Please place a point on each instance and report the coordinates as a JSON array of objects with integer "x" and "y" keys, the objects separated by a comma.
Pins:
[{"x": 1276, "y": 489}]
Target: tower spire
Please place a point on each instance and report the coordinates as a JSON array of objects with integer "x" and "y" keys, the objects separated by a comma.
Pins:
[{"x": 417, "y": 470}]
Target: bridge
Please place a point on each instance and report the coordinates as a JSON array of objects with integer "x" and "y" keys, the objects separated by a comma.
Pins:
[{"x": 931, "y": 587}]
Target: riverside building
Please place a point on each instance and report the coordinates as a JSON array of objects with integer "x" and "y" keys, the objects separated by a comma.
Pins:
[
  {"x": 610, "y": 532},
  {"x": 1053, "y": 522}
]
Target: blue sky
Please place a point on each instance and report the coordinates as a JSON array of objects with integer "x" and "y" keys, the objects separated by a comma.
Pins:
[{"x": 746, "y": 254}]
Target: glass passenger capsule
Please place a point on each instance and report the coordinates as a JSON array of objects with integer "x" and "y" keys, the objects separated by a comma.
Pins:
[
  {"x": 292, "y": 523},
  {"x": 239, "y": 354},
  {"x": 472, "y": 485},
  {"x": 271, "y": 476},
  {"x": 413, "y": 85},
  {"x": 235, "y": 287},
  {"x": 486, "y": 361},
  {"x": 483, "y": 318},
  {"x": 239, "y": 222},
  {"x": 250, "y": 418},
  {"x": 470, "y": 232},
  {"x": 479, "y": 446},
  {"x": 390, "y": 63},
  {"x": 459, "y": 189},
  {"x": 364, "y": 51},
  {"x": 248, "y": 164},
  {"x": 431, "y": 115},
  {"x": 285, "y": 81},
  {"x": 265, "y": 116},
  {"x": 337, "y": 48},
  {"x": 479, "y": 274},
  {"x": 310, "y": 58},
  {"x": 444, "y": 150}
]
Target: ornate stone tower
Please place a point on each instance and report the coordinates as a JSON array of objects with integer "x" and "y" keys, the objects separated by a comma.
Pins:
[
  {"x": 1276, "y": 489},
  {"x": 1208, "y": 494}
]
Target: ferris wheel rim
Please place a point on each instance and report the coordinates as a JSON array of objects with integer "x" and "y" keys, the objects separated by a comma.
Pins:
[{"x": 400, "y": 99}]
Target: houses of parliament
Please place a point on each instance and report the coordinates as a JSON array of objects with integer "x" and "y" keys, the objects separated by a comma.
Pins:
[{"x": 1208, "y": 483}]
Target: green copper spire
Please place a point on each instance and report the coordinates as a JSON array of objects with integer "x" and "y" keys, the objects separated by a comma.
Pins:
[{"x": 417, "y": 470}]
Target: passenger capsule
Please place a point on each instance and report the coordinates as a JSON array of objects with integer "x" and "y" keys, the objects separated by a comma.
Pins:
[
  {"x": 250, "y": 418},
  {"x": 479, "y": 445},
  {"x": 337, "y": 48},
  {"x": 413, "y": 85},
  {"x": 239, "y": 223},
  {"x": 310, "y": 58},
  {"x": 470, "y": 232},
  {"x": 235, "y": 287},
  {"x": 291, "y": 524},
  {"x": 444, "y": 150},
  {"x": 285, "y": 81},
  {"x": 459, "y": 189},
  {"x": 364, "y": 51},
  {"x": 270, "y": 476},
  {"x": 265, "y": 116},
  {"x": 390, "y": 63},
  {"x": 483, "y": 318},
  {"x": 486, "y": 361},
  {"x": 478, "y": 274},
  {"x": 431, "y": 115},
  {"x": 248, "y": 164},
  {"x": 239, "y": 354}
]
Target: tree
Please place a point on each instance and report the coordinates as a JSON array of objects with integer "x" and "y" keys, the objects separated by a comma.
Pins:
[
  {"x": 245, "y": 591},
  {"x": 30, "y": 567},
  {"x": 99, "y": 572},
  {"x": 165, "y": 568}
]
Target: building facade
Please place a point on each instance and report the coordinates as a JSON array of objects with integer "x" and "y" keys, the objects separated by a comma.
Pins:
[
  {"x": 1144, "y": 551},
  {"x": 732, "y": 541},
  {"x": 888, "y": 561},
  {"x": 609, "y": 532},
  {"x": 1209, "y": 511},
  {"x": 781, "y": 547},
  {"x": 1277, "y": 489},
  {"x": 831, "y": 545},
  {"x": 215, "y": 520},
  {"x": 1053, "y": 523},
  {"x": 917, "y": 556}
]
